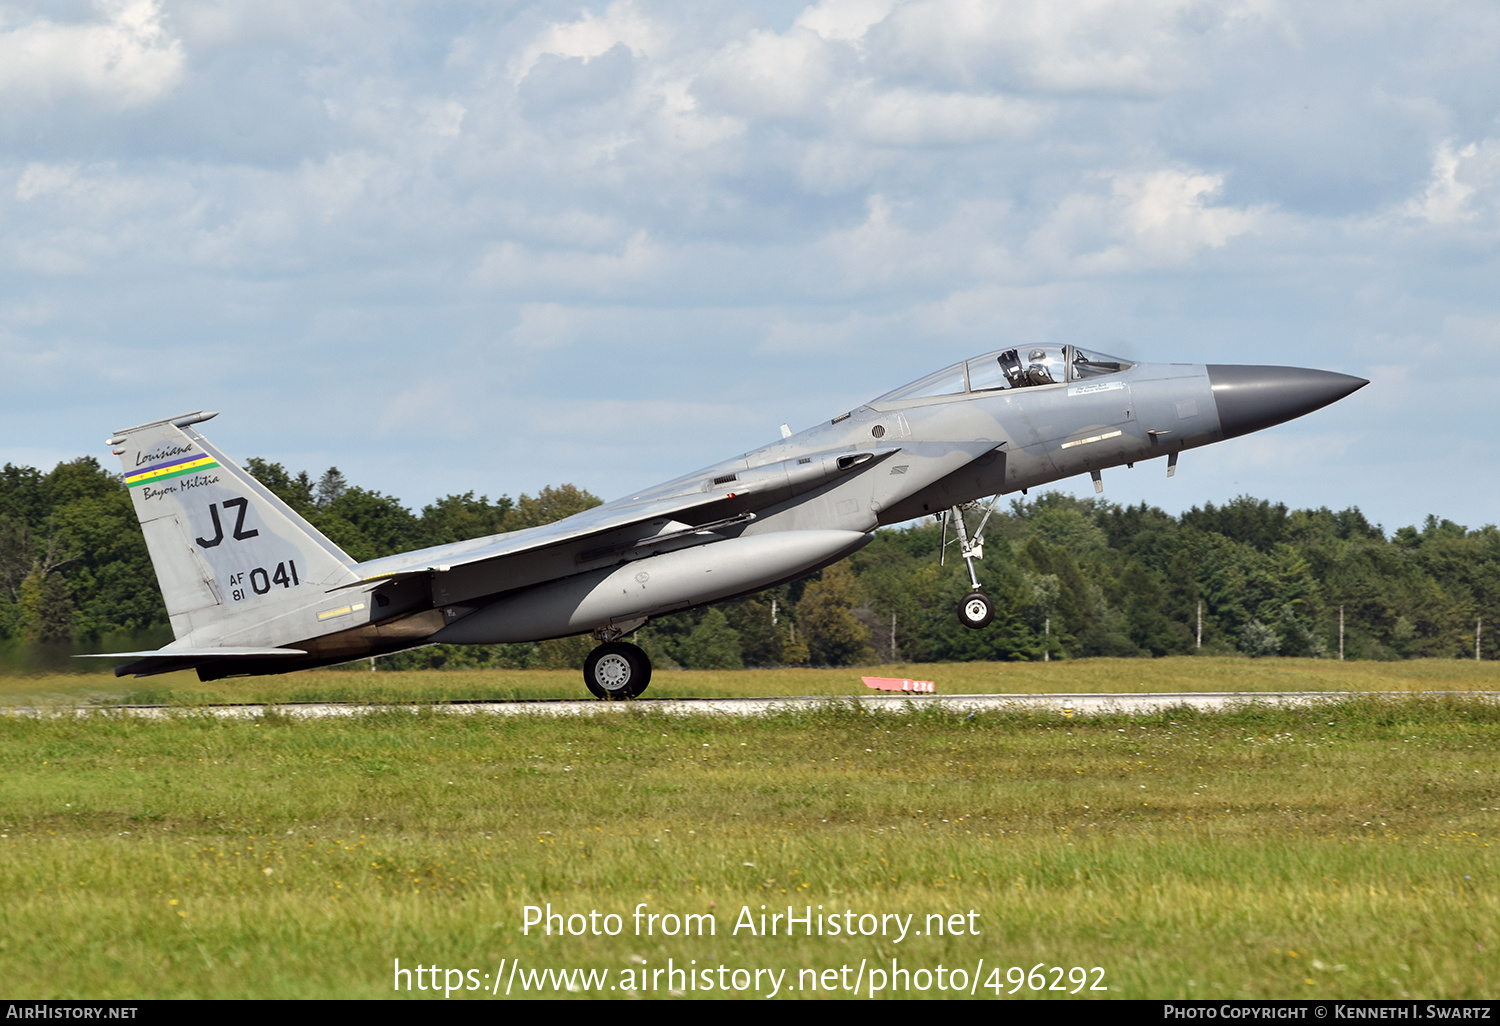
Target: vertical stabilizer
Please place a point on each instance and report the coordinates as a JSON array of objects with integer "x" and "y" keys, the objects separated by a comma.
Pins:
[{"x": 236, "y": 564}]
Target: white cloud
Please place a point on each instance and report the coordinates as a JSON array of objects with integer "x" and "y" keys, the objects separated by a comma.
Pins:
[
  {"x": 126, "y": 59},
  {"x": 591, "y": 36},
  {"x": 906, "y": 117},
  {"x": 1168, "y": 211},
  {"x": 846, "y": 20},
  {"x": 775, "y": 75},
  {"x": 1443, "y": 200},
  {"x": 683, "y": 124},
  {"x": 349, "y": 182},
  {"x": 548, "y": 326},
  {"x": 802, "y": 336},
  {"x": 72, "y": 218},
  {"x": 45, "y": 180},
  {"x": 1471, "y": 334},
  {"x": 836, "y": 204},
  {"x": 886, "y": 251},
  {"x": 213, "y": 24},
  {"x": 1149, "y": 219},
  {"x": 1054, "y": 45},
  {"x": 990, "y": 311},
  {"x": 99, "y": 193},
  {"x": 511, "y": 268},
  {"x": 1463, "y": 186},
  {"x": 833, "y": 166},
  {"x": 1306, "y": 447},
  {"x": 428, "y": 407}
]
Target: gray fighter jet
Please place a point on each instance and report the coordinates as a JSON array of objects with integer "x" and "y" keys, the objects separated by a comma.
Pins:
[{"x": 252, "y": 588}]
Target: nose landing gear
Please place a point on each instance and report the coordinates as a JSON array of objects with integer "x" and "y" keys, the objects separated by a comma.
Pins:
[{"x": 976, "y": 610}]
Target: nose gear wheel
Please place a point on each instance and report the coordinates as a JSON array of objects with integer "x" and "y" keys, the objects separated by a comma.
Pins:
[{"x": 976, "y": 610}]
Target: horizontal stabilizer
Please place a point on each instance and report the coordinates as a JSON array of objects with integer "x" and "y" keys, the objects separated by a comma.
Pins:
[{"x": 165, "y": 660}]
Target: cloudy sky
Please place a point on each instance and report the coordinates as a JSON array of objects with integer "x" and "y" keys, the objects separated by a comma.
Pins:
[{"x": 492, "y": 246}]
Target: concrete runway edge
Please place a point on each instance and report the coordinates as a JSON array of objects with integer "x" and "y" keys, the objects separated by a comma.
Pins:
[{"x": 1059, "y": 704}]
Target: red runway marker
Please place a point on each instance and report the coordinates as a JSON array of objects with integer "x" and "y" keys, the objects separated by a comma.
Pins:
[{"x": 897, "y": 684}]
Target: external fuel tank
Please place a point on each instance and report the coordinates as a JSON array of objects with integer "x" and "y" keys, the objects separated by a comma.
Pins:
[{"x": 647, "y": 587}]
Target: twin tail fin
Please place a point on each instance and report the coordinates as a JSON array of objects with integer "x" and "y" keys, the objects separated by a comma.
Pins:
[{"x": 238, "y": 568}]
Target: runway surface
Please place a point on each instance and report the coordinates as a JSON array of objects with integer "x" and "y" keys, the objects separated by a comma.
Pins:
[{"x": 1060, "y": 705}]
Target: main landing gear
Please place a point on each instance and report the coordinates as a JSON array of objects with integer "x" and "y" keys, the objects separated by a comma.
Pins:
[
  {"x": 617, "y": 670},
  {"x": 976, "y": 610}
]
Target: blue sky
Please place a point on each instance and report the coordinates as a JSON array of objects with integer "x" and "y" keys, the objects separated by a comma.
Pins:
[{"x": 454, "y": 246}]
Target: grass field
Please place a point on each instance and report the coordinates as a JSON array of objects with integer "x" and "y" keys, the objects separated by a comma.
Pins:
[
  {"x": 1174, "y": 674},
  {"x": 1348, "y": 850}
]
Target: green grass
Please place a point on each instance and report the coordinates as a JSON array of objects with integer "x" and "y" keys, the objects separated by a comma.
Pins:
[
  {"x": 1346, "y": 851},
  {"x": 1173, "y": 674}
]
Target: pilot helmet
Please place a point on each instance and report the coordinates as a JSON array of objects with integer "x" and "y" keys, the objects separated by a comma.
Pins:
[{"x": 1038, "y": 356}]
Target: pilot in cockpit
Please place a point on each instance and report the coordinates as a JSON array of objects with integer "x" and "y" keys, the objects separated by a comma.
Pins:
[{"x": 1038, "y": 373}]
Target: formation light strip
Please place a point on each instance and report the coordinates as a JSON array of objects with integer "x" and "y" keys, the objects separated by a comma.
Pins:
[{"x": 1091, "y": 438}]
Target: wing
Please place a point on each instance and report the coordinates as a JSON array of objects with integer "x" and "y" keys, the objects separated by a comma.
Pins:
[
  {"x": 593, "y": 523},
  {"x": 715, "y": 499}
]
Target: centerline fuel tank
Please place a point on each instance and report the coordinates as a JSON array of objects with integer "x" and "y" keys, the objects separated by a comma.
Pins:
[{"x": 646, "y": 587}]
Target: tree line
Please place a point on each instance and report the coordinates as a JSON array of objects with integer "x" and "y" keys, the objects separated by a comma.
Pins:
[{"x": 1070, "y": 578}]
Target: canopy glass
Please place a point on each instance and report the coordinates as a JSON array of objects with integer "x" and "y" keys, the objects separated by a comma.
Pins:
[{"x": 1011, "y": 368}]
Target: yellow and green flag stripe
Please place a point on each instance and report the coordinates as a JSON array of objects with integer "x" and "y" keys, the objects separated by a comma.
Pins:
[{"x": 170, "y": 469}]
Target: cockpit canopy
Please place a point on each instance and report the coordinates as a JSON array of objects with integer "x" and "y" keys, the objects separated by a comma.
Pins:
[{"x": 1021, "y": 367}]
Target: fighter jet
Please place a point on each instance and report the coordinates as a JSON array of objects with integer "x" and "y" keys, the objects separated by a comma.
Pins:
[{"x": 252, "y": 588}]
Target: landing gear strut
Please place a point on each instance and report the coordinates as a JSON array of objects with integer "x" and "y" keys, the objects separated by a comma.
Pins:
[
  {"x": 976, "y": 610},
  {"x": 617, "y": 670}
]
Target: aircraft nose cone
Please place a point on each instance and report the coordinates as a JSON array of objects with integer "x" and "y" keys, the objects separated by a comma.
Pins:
[{"x": 1251, "y": 398}]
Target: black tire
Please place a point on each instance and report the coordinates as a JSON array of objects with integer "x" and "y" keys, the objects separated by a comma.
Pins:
[
  {"x": 976, "y": 610},
  {"x": 617, "y": 670}
]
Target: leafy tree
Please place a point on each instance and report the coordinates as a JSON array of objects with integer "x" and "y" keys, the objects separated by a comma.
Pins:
[
  {"x": 1014, "y": 634},
  {"x": 563, "y": 653},
  {"x": 82, "y": 478},
  {"x": 456, "y": 518},
  {"x": 1142, "y": 595},
  {"x": 762, "y": 643},
  {"x": 1045, "y": 590},
  {"x": 894, "y": 572},
  {"x": 368, "y": 525},
  {"x": 1257, "y": 523},
  {"x": 16, "y": 556},
  {"x": 296, "y": 492},
  {"x": 1257, "y": 639},
  {"x": 1074, "y": 604},
  {"x": 1112, "y": 580},
  {"x": 331, "y": 488},
  {"x": 107, "y": 565},
  {"x": 23, "y": 494},
  {"x": 664, "y": 637},
  {"x": 1144, "y": 532},
  {"x": 1298, "y": 635},
  {"x": 826, "y": 615},
  {"x": 46, "y": 607},
  {"x": 549, "y": 504},
  {"x": 1070, "y": 528},
  {"x": 713, "y": 644}
]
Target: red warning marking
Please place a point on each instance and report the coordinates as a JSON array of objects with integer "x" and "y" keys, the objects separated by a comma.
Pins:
[{"x": 898, "y": 684}]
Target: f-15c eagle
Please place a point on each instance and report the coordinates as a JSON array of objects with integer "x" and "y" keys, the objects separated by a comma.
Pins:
[{"x": 252, "y": 588}]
